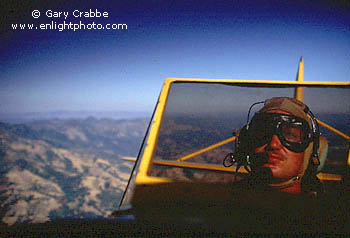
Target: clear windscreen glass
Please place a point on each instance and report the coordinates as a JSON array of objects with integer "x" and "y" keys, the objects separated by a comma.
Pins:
[{"x": 200, "y": 117}]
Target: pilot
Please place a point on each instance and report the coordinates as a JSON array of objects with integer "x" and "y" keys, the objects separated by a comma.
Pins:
[{"x": 281, "y": 145}]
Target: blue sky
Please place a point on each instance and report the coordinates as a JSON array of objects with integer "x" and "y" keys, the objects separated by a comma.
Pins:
[{"x": 123, "y": 70}]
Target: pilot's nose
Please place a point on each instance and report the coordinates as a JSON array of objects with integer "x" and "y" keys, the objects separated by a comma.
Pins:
[{"x": 275, "y": 143}]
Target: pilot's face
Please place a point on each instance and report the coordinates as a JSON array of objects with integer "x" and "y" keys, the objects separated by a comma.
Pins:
[{"x": 282, "y": 162}]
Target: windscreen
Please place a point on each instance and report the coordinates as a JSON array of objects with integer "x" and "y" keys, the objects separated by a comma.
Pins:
[{"x": 200, "y": 116}]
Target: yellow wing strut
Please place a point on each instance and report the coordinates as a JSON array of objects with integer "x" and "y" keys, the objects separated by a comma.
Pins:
[{"x": 207, "y": 148}]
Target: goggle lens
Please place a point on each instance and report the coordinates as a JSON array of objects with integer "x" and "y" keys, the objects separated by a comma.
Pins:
[{"x": 292, "y": 131}]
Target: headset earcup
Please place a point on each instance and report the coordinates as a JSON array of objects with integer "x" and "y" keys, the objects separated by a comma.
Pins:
[
  {"x": 242, "y": 144},
  {"x": 242, "y": 147}
]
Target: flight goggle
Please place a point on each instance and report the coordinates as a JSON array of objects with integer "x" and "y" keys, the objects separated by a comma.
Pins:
[{"x": 293, "y": 132}]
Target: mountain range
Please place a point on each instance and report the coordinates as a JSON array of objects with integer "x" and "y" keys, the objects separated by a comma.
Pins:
[
  {"x": 65, "y": 168},
  {"x": 25, "y": 117}
]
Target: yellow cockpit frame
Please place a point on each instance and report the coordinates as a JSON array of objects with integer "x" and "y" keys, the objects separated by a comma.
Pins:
[
  {"x": 143, "y": 178},
  {"x": 150, "y": 190}
]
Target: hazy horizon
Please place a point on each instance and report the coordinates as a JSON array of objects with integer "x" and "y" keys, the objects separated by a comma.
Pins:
[{"x": 24, "y": 117}]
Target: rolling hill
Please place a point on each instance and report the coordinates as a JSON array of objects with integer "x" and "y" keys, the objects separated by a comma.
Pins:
[{"x": 65, "y": 168}]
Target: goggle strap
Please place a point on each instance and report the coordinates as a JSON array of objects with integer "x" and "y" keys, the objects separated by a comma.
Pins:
[{"x": 315, "y": 132}]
